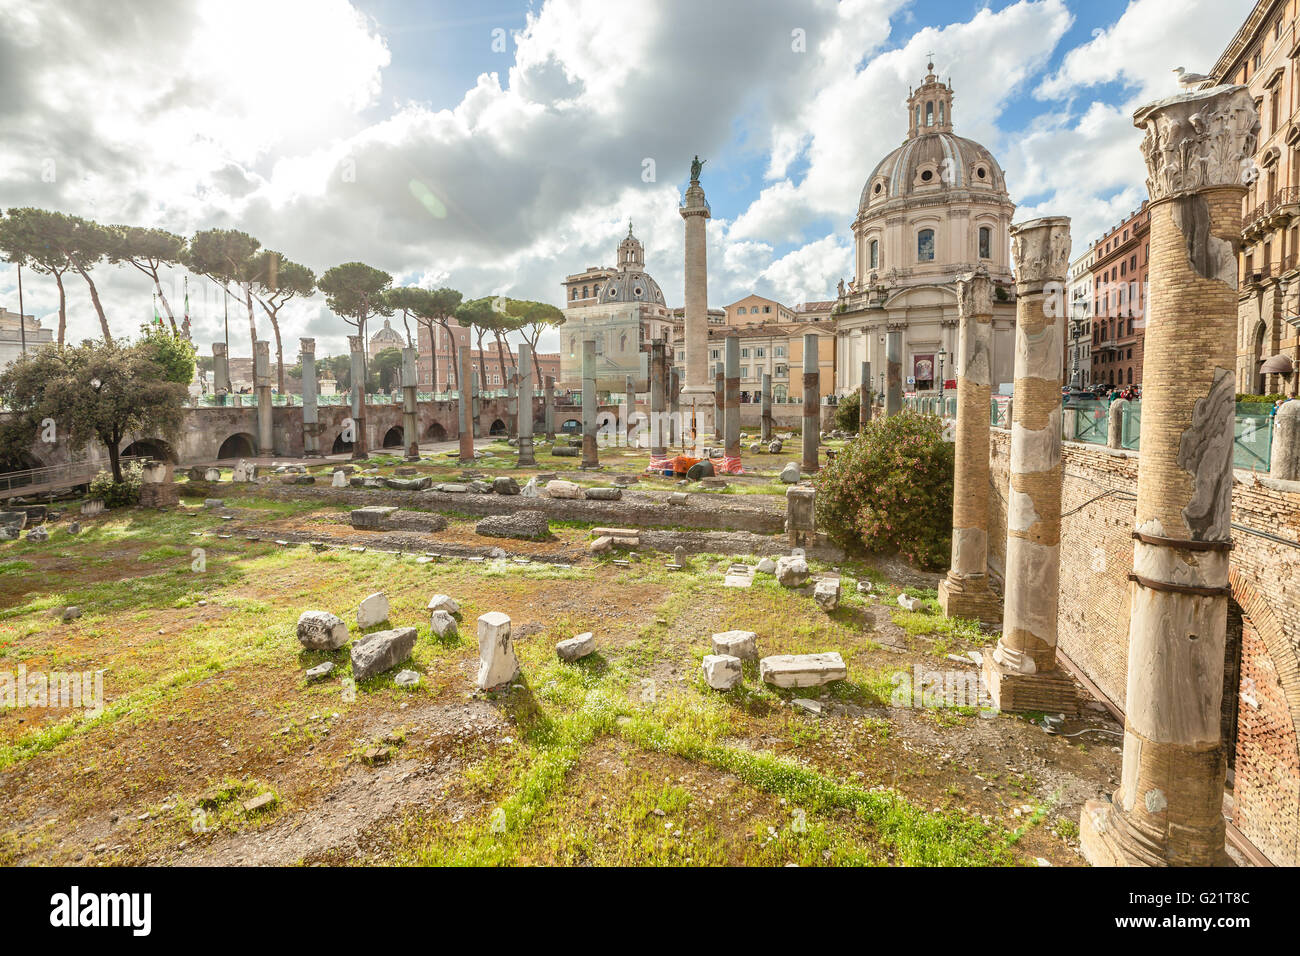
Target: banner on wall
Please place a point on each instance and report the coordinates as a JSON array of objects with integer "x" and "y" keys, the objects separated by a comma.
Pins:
[{"x": 923, "y": 371}]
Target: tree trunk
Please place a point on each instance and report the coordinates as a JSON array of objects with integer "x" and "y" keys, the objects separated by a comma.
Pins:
[
  {"x": 94, "y": 298},
  {"x": 501, "y": 357},
  {"x": 63, "y": 308},
  {"x": 433, "y": 353},
  {"x": 537, "y": 366},
  {"x": 166, "y": 305},
  {"x": 482, "y": 365},
  {"x": 279, "y": 350},
  {"x": 451, "y": 341},
  {"x": 114, "y": 460},
  {"x": 252, "y": 324}
]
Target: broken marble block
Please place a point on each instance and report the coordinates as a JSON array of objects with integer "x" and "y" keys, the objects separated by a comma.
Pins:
[
  {"x": 371, "y": 517},
  {"x": 407, "y": 678},
  {"x": 792, "y": 572},
  {"x": 909, "y": 603},
  {"x": 340, "y": 480},
  {"x": 373, "y": 610},
  {"x": 563, "y": 489},
  {"x": 381, "y": 651},
  {"x": 319, "y": 671},
  {"x": 741, "y": 644},
  {"x": 827, "y": 595},
  {"x": 766, "y": 566},
  {"x": 603, "y": 494},
  {"x": 496, "y": 651},
  {"x": 573, "y": 648},
  {"x": 721, "y": 671},
  {"x": 444, "y": 602},
  {"x": 802, "y": 670},
  {"x": 443, "y": 624},
  {"x": 321, "y": 631}
]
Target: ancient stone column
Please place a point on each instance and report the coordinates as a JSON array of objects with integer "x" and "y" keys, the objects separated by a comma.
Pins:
[
  {"x": 357, "y": 345},
  {"x": 1284, "y": 457},
  {"x": 731, "y": 397},
  {"x": 719, "y": 402},
  {"x": 1022, "y": 672},
  {"x": 812, "y": 419},
  {"x": 1168, "y": 808},
  {"x": 658, "y": 400},
  {"x": 526, "y": 458},
  {"x": 864, "y": 396},
  {"x": 410, "y": 412},
  {"x": 695, "y": 395},
  {"x": 512, "y": 403},
  {"x": 675, "y": 404},
  {"x": 548, "y": 407},
  {"x": 310, "y": 414},
  {"x": 220, "y": 367},
  {"x": 765, "y": 409},
  {"x": 590, "y": 456},
  {"x": 1115, "y": 423},
  {"x": 262, "y": 383},
  {"x": 893, "y": 372},
  {"x": 965, "y": 591},
  {"x": 465, "y": 408},
  {"x": 629, "y": 407}
]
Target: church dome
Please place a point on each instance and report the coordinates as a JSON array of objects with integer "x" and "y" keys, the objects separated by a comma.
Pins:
[
  {"x": 631, "y": 283},
  {"x": 928, "y": 161}
]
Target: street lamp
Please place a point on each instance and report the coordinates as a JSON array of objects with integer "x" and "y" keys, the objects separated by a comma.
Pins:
[{"x": 942, "y": 355}]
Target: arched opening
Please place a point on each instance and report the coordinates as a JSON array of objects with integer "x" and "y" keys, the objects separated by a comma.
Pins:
[
  {"x": 238, "y": 445},
  {"x": 154, "y": 448},
  {"x": 571, "y": 427},
  {"x": 1257, "y": 356},
  {"x": 436, "y": 433},
  {"x": 874, "y": 256},
  {"x": 925, "y": 245},
  {"x": 498, "y": 427},
  {"x": 986, "y": 242},
  {"x": 340, "y": 446},
  {"x": 393, "y": 437}
]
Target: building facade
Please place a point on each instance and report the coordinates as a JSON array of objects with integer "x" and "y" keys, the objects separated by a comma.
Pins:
[
  {"x": 1078, "y": 335},
  {"x": 1262, "y": 56},
  {"x": 934, "y": 208},
  {"x": 12, "y": 336},
  {"x": 1119, "y": 299}
]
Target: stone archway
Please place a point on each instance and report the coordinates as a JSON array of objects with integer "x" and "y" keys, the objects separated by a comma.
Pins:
[
  {"x": 1266, "y": 744},
  {"x": 238, "y": 445},
  {"x": 154, "y": 448},
  {"x": 436, "y": 432},
  {"x": 340, "y": 446},
  {"x": 498, "y": 427},
  {"x": 392, "y": 437},
  {"x": 571, "y": 427}
]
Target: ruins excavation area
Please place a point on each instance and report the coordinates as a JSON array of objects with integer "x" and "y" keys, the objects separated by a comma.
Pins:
[{"x": 215, "y": 746}]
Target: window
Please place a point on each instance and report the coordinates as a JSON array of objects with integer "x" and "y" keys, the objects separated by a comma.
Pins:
[
  {"x": 741, "y": 310},
  {"x": 986, "y": 242},
  {"x": 575, "y": 292},
  {"x": 918, "y": 123},
  {"x": 758, "y": 353},
  {"x": 929, "y": 114},
  {"x": 586, "y": 292},
  {"x": 744, "y": 353},
  {"x": 779, "y": 351},
  {"x": 715, "y": 354},
  {"x": 681, "y": 355},
  {"x": 874, "y": 255},
  {"x": 766, "y": 309},
  {"x": 925, "y": 245},
  {"x": 744, "y": 371},
  {"x": 940, "y": 114}
]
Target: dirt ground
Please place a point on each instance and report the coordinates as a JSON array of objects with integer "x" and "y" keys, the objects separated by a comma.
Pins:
[{"x": 213, "y": 748}]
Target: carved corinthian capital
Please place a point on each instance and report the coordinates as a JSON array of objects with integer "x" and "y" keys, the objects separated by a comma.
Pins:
[
  {"x": 1040, "y": 249},
  {"x": 1199, "y": 140},
  {"x": 975, "y": 293},
  {"x": 355, "y": 344},
  {"x": 307, "y": 346}
]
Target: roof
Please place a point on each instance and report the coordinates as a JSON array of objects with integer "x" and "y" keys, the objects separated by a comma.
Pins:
[{"x": 955, "y": 163}]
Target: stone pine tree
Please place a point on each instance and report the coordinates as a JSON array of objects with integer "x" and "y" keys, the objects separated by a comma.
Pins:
[
  {"x": 536, "y": 318},
  {"x": 95, "y": 391},
  {"x": 439, "y": 309},
  {"x": 53, "y": 241},
  {"x": 229, "y": 258},
  {"x": 149, "y": 251},
  {"x": 355, "y": 292},
  {"x": 409, "y": 300},
  {"x": 277, "y": 280},
  {"x": 478, "y": 316},
  {"x": 24, "y": 242}
]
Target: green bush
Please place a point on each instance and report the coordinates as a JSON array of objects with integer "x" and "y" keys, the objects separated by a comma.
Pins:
[
  {"x": 890, "y": 491},
  {"x": 846, "y": 413},
  {"x": 118, "y": 494},
  {"x": 1259, "y": 399}
]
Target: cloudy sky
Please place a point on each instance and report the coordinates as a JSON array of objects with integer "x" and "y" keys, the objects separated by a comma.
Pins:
[{"x": 497, "y": 146}]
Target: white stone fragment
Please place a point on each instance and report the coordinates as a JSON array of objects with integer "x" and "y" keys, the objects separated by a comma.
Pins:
[
  {"x": 827, "y": 594},
  {"x": 792, "y": 572},
  {"x": 373, "y": 610},
  {"x": 443, "y": 624},
  {"x": 909, "y": 603},
  {"x": 563, "y": 489},
  {"x": 573, "y": 648},
  {"x": 496, "y": 651},
  {"x": 721, "y": 671},
  {"x": 321, "y": 631},
  {"x": 741, "y": 644},
  {"x": 444, "y": 602},
  {"x": 802, "y": 670}
]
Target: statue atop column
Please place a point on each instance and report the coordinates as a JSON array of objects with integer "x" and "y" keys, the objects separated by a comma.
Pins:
[{"x": 696, "y": 165}]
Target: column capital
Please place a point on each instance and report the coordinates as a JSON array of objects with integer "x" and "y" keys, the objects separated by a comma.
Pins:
[
  {"x": 1040, "y": 250},
  {"x": 975, "y": 293},
  {"x": 1200, "y": 140},
  {"x": 355, "y": 344},
  {"x": 307, "y": 346},
  {"x": 219, "y": 348}
]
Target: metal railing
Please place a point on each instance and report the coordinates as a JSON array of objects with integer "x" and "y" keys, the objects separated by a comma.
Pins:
[{"x": 30, "y": 481}]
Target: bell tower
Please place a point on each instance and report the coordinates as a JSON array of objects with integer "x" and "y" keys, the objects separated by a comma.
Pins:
[{"x": 631, "y": 254}]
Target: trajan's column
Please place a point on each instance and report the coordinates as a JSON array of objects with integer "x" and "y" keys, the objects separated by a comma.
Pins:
[
  {"x": 1168, "y": 810},
  {"x": 697, "y": 396}
]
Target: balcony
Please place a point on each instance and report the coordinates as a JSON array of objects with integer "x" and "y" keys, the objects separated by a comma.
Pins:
[{"x": 1275, "y": 212}]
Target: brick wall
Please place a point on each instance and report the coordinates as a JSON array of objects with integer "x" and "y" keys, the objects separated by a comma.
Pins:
[{"x": 1097, "y": 506}]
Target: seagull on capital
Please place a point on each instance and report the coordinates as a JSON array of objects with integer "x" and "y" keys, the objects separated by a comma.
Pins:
[{"x": 1191, "y": 81}]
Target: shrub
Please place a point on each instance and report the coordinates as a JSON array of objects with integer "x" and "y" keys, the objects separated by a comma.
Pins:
[
  {"x": 890, "y": 491},
  {"x": 846, "y": 413},
  {"x": 1259, "y": 399},
  {"x": 118, "y": 494}
]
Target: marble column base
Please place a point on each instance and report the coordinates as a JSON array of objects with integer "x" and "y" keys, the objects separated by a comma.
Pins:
[{"x": 1047, "y": 692}]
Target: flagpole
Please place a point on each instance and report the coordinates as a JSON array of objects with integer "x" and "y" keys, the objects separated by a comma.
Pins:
[{"x": 22, "y": 321}]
